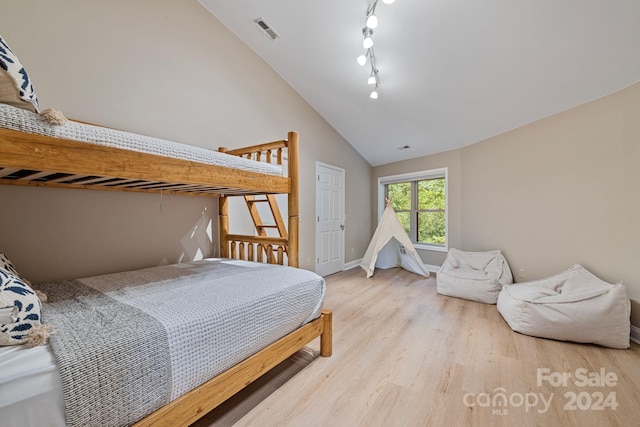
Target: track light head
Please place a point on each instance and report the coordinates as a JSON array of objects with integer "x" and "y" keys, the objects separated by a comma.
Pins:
[
  {"x": 373, "y": 77},
  {"x": 368, "y": 41},
  {"x": 372, "y": 21}
]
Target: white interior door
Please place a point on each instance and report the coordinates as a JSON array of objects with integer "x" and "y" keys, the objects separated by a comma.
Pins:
[{"x": 330, "y": 219}]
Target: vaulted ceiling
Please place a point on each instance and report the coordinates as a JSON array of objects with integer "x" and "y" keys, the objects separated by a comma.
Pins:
[{"x": 451, "y": 72}]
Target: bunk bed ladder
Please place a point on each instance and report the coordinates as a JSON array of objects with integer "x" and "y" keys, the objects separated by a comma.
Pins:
[
  {"x": 261, "y": 227},
  {"x": 274, "y": 247},
  {"x": 276, "y": 257}
]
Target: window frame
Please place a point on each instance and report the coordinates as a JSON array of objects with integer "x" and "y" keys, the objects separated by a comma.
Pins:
[{"x": 418, "y": 176}]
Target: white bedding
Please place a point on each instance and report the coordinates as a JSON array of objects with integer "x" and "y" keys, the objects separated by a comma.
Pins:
[
  {"x": 255, "y": 304},
  {"x": 26, "y": 121},
  {"x": 30, "y": 388}
]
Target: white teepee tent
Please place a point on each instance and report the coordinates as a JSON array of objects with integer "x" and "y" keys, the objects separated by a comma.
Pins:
[{"x": 391, "y": 241}]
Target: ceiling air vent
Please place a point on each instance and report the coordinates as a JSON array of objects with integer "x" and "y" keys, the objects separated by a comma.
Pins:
[{"x": 266, "y": 28}]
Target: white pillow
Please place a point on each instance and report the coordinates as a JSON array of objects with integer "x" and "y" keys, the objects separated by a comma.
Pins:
[{"x": 15, "y": 86}]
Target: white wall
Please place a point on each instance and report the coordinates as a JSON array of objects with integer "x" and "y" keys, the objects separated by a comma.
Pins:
[{"x": 168, "y": 69}]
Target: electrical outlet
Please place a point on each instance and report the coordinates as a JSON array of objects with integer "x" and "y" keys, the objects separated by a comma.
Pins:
[
  {"x": 308, "y": 262},
  {"x": 352, "y": 251},
  {"x": 521, "y": 273}
]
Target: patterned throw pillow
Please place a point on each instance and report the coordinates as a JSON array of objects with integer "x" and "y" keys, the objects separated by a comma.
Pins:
[
  {"x": 25, "y": 305},
  {"x": 15, "y": 86}
]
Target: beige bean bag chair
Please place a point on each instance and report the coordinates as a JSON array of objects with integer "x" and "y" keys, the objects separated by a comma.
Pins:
[
  {"x": 476, "y": 276},
  {"x": 573, "y": 305}
]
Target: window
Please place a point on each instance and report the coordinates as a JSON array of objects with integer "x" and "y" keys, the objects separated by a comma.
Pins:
[{"x": 420, "y": 201}]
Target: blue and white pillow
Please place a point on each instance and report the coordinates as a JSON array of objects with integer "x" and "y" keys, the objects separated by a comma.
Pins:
[
  {"x": 25, "y": 307},
  {"x": 15, "y": 86}
]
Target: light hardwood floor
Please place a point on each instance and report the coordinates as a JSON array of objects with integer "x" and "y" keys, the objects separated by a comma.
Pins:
[{"x": 405, "y": 356}]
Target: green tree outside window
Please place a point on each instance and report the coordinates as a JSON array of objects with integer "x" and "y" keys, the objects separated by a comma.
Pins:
[{"x": 421, "y": 208}]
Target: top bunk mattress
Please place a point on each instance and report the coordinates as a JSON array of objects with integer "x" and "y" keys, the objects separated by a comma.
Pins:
[{"x": 22, "y": 120}]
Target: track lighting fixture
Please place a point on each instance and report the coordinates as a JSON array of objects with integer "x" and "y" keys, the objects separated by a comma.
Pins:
[
  {"x": 367, "y": 43},
  {"x": 372, "y": 21},
  {"x": 372, "y": 79}
]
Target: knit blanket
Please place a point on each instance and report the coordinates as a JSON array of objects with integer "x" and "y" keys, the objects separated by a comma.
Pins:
[{"x": 129, "y": 343}]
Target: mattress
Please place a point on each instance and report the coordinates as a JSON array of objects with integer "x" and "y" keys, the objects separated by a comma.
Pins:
[
  {"x": 215, "y": 313},
  {"x": 23, "y": 120},
  {"x": 30, "y": 388}
]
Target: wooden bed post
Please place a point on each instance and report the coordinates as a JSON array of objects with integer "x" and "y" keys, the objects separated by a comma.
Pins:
[
  {"x": 326, "y": 339},
  {"x": 223, "y": 216},
  {"x": 223, "y": 220},
  {"x": 294, "y": 236}
]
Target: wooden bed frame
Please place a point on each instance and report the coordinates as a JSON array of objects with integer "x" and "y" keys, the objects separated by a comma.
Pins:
[
  {"x": 193, "y": 405},
  {"x": 36, "y": 160}
]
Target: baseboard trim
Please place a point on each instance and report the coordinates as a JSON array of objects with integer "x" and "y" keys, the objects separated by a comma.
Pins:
[
  {"x": 356, "y": 263},
  {"x": 432, "y": 268},
  {"x": 351, "y": 264},
  {"x": 635, "y": 334}
]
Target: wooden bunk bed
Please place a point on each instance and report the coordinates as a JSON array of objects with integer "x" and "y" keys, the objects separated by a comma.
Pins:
[{"x": 37, "y": 160}]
